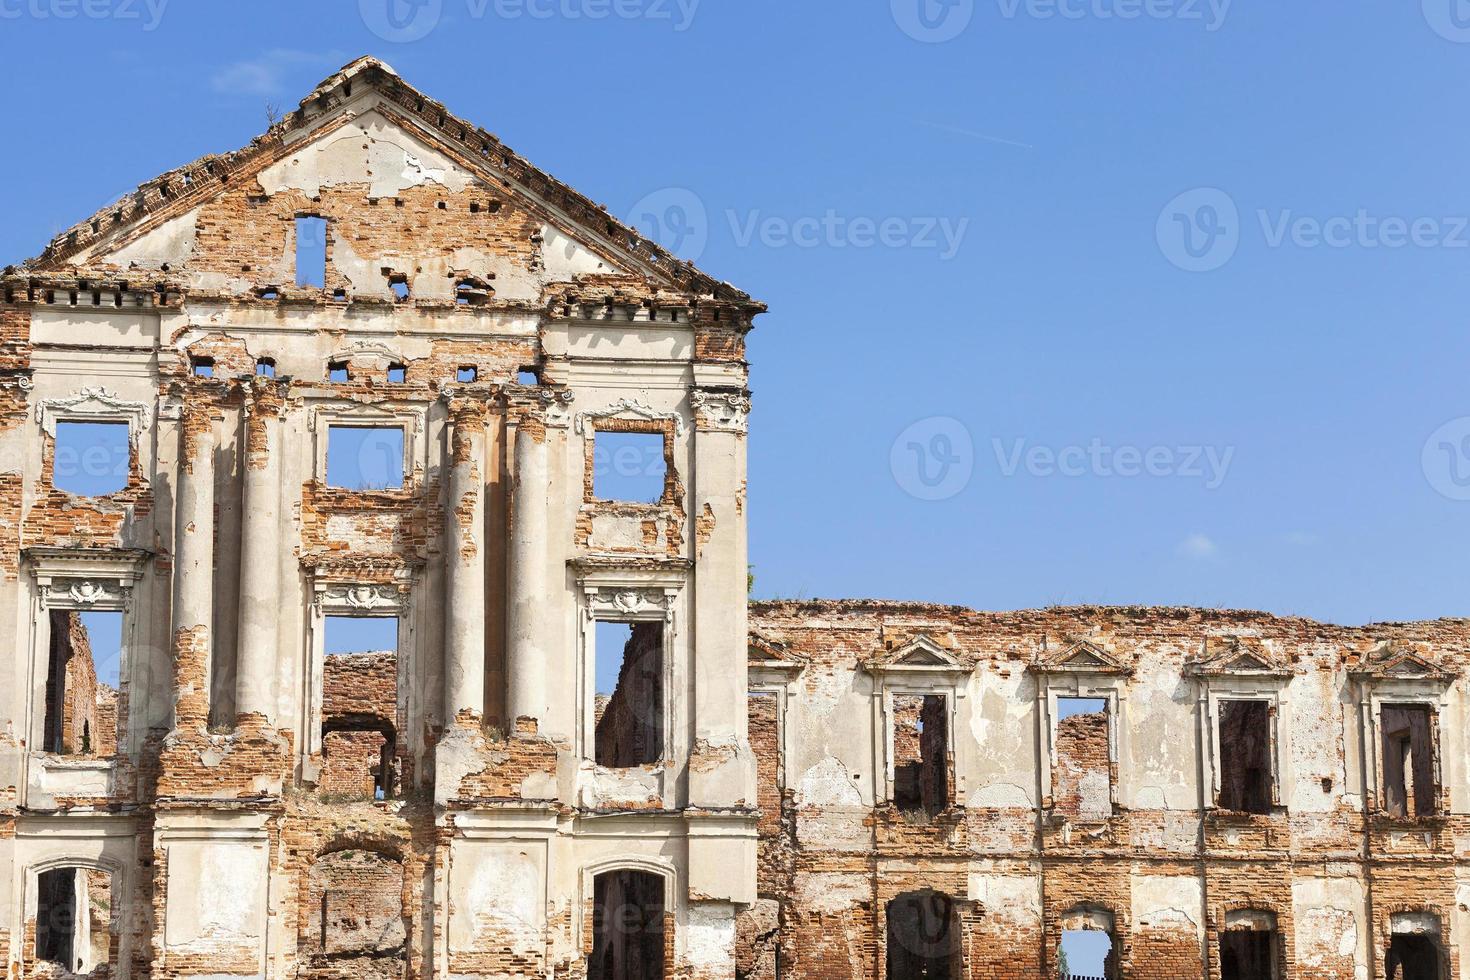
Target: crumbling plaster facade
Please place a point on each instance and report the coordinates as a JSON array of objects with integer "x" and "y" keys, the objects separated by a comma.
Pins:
[{"x": 819, "y": 783}]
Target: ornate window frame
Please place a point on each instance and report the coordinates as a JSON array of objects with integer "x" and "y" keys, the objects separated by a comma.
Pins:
[
  {"x": 773, "y": 669},
  {"x": 1233, "y": 668},
  {"x": 665, "y": 869},
  {"x": 97, "y": 404},
  {"x": 919, "y": 668},
  {"x": 1394, "y": 674},
  {"x": 1079, "y": 668},
  {"x": 90, "y": 580},
  {"x": 335, "y": 596},
  {"x": 624, "y": 595},
  {"x": 410, "y": 418}
]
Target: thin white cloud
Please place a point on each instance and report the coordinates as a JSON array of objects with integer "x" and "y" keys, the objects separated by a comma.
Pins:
[
  {"x": 973, "y": 134},
  {"x": 270, "y": 73},
  {"x": 1198, "y": 546}
]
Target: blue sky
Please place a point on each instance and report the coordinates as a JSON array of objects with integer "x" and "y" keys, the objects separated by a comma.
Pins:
[{"x": 1165, "y": 308}]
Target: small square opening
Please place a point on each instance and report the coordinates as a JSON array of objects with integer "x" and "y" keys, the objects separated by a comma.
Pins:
[
  {"x": 337, "y": 371},
  {"x": 91, "y": 458},
  {"x": 202, "y": 367},
  {"x": 397, "y": 374},
  {"x": 628, "y": 666},
  {"x": 365, "y": 457},
  {"x": 629, "y": 467},
  {"x": 466, "y": 373},
  {"x": 265, "y": 367}
]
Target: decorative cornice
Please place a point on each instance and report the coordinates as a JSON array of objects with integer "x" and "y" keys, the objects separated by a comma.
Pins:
[
  {"x": 93, "y": 404},
  {"x": 1235, "y": 656},
  {"x": 626, "y": 407},
  {"x": 1077, "y": 655}
]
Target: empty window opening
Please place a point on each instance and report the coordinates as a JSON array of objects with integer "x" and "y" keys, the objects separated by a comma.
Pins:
[
  {"x": 528, "y": 376},
  {"x": 923, "y": 937},
  {"x": 629, "y": 467},
  {"x": 266, "y": 367},
  {"x": 75, "y": 919},
  {"x": 358, "y": 928},
  {"x": 1248, "y": 946},
  {"x": 1082, "y": 782},
  {"x": 91, "y": 458},
  {"x": 1087, "y": 950},
  {"x": 311, "y": 252},
  {"x": 920, "y": 754},
  {"x": 359, "y": 708},
  {"x": 627, "y": 926},
  {"x": 268, "y": 292},
  {"x": 1413, "y": 958},
  {"x": 397, "y": 374},
  {"x": 399, "y": 285},
  {"x": 466, "y": 374},
  {"x": 1245, "y": 756},
  {"x": 628, "y": 708},
  {"x": 365, "y": 457},
  {"x": 202, "y": 367},
  {"x": 82, "y": 679},
  {"x": 1408, "y": 761},
  {"x": 338, "y": 371}
]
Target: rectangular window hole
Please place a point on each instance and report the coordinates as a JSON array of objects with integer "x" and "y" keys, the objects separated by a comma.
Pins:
[
  {"x": 466, "y": 374},
  {"x": 629, "y": 467},
  {"x": 266, "y": 367},
  {"x": 628, "y": 666},
  {"x": 1082, "y": 781},
  {"x": 528, "y": 376},
  {"x": 76, "y": 919},
  {"x": 337, "y": 372},
  {"x": 91, "y": 458},
  {"x": 83, "y": 677},
  {"x": 1408, "y": 761},
  {"x": 311, "y": 252},
  {"x": 1245, "y": 756},
  {"x": 365, "y": 457},
  {"x": 397, "y": 374},
  {"x": 359, "y": 707},
  {"x": 920, "y": 754}
]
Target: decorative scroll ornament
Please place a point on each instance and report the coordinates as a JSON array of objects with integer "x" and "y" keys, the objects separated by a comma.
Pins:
[
  {"x": 557, "y": 406},
  {"x": 727, "y": 411},
  {"x": 632, "y": 602},
  {"x": 89, "y": 591},
  {"x": 629, "y": 406},
  {"x": 91, "y": 404},
  {"x": 360, "y": 597}
]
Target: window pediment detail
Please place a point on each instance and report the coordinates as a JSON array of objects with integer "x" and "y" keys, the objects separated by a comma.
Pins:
[
  {"x": 1236, "y": 656},
  {"x": 1077, "y": 655},
  {"x": 1396, "y": 660}
]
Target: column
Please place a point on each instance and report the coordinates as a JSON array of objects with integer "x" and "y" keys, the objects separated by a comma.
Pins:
[
  {"x": 260, "y": 559},
  {"x": 464, "y": 573},
  {"x": 525, "y": 651},
  {"x": 193, "y": 598}
]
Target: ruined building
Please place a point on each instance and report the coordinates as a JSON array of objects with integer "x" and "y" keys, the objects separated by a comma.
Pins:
[{"x": 372, "y": 529}]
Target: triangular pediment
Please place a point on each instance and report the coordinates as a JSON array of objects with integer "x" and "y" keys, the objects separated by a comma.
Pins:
[
  {"x": 766, "y": 654},
  {"x": 411, "y": 196},
  {"x": 920, "y": 654},
  {"x": 1076, "y": 655},
  {"x": 1236, "y": 655},
  {"x": 1395, "y": 660}
]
